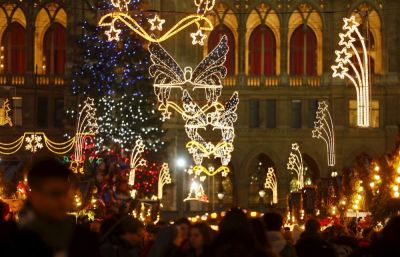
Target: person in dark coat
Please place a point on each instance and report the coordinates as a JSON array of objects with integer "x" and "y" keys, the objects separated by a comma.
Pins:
[
  {"x": 168, "y": 243},
  {"x": 311, "y": 243},
  {"x": 44, "y": 229},
  {"x": 123, "y": 237}
]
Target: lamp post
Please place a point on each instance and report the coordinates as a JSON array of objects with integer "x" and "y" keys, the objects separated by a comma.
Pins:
[
  {"x": 262, "y": 194},
  {"x": 180, "y": 164}
]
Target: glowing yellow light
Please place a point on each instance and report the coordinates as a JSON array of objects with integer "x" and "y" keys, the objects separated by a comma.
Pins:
[
  {"x": 324, "y": 129},
  {"x": 377, "y": 177},
  {"x": 272, "y": 183},
  {"x": 396, "y": 194},
  {"x": 4, "y": 114},
  {"x": 398, "y": 169},
  {"x": 214, "y": 215},
  {"x": 295, "y": 163},
  {"x": 164, "y": 178},
  {"x": 396, "y": 188},
  {"x": 253, "y": 214},
  {"x": 156, "y": 23},
  {"x": 398, "y": 180},
  {"x": 359, "y": 75},
  {"x": 376, "y": 168},
  {"x": 360, "y": 189},
  {"x": 372, "y": 184}
]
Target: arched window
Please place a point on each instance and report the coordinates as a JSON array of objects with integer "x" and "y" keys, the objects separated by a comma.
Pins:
[
  {"x": 54, "y": 49},
  {"x": 213, "y": 41},
  {"x": 258, "y": 172},
  {"x": 262, "y": 51},
  {"x": 14, "y": 43},
  {"x": 303, "y": 52}
]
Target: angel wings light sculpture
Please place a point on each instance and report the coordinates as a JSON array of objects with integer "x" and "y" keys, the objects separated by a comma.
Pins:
[{"x": 208, "y": 75}]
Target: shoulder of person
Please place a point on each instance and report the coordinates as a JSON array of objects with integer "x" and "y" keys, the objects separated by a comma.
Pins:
[{"x": 288, "y": 251}]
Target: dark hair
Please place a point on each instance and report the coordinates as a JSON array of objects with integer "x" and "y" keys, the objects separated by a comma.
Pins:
[
  {"x": 116, "y": 226},
  {"x": 235, "y": 221},
  {"x": 273, "y": 221},
  {"x": 181, "y": 221},
  {"x": 48, "y": 168},
  {"x": 258, "y": 229},
  {"x": 312, "y": 225},
  {"x": 205, "y": 232}
]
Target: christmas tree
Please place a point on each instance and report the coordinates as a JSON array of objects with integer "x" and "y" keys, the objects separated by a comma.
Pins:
[{"x": 116, "y": 75}]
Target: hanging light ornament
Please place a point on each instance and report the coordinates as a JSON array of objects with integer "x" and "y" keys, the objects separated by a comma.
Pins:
[
  {"x": 356, "y": 71},
  {"x": 123, "y": 16}
]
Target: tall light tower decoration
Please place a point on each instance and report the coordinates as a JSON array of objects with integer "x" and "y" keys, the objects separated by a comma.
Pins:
[
  {"x": 272, "y": 183},
  {"x": 295, "y": 164},
  {"x": 323, "y": 129},
  {"x": 136, "y": 161},
  {"x": 357, "y": 71},
  {"x": 164, "y": 178}
]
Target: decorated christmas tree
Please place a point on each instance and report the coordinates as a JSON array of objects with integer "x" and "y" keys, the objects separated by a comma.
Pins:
[{"x": 116, "y": 75}]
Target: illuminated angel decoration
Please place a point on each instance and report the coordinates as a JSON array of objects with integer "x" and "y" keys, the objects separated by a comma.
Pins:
[{"x": 208, "y": 75}]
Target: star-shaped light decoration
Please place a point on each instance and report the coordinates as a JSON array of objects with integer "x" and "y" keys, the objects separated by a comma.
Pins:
[
  {"x": 113, "y": 33},
  {"x": 350, "y": 24},
  {"x": 122, "y": 5},
  {"x": 295, "y": 146},
  {"x": 343, "y": 56},
  {"x": 339, "y": 70},
  {"x": 156, "y": 23},
  {"x": 322, "y": 105},
  {"x": 166, "y": 115},
  {"x": 316, "y": 133},
  {"x": 346, "y": 39},
  {"x": 320, "y": 115},
  {"x": 198, "y": 37}
]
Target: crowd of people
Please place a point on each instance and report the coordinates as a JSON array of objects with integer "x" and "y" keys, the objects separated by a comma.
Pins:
[{"x": 45, "y": 229}]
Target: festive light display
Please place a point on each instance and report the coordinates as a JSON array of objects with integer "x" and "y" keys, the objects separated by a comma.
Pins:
[
  {"x": 164, "y": 178},
  {"x": 86, "y": 129},
  {"x": 295, "y": 164},
  {"x": 396, "y": 180},
  {"x": 200, "y": 20},
  {"x": 272, "y": 183},
  {"x": 4, "y": 114},
  {"x": 196, "y": 192},
  {"x": 358, "y": 196},
  {"x": 207, "y": 75},
  {"x": 135, "y": 162},
  {"x": 356, "y": 71},
  {"x": 323, "y": 129}
]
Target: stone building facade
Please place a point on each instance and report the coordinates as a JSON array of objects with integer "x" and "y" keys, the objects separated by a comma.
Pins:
[{"x": 281, "y": 52}]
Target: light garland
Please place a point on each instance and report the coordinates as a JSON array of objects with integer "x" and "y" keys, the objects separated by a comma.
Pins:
[
  {"x": 135, "y": 162},
  {"x": 358, "y": 196},
  {"x": 199, "y": 20},
  {"x": 295, "y": 163},
  {"x": 360, "y": 69},
  {"x": 323, "y": 129},
  {"x": 168, "y": 75},
  {"x": 164, "y": 178},
  {"x": 4, "y": 116},
  {"x": 272, "y": 183},
  {"x": 34, "y": 141}
]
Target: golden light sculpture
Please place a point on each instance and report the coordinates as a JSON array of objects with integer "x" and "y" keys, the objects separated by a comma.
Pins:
[
  {"x": 357, "y": 71},
  {"x": 164, "y": 178},
  {"x": 272, "y": 183},
  {"x": 196, "y": 191},
  {"x": 207, "y": 76},
  {"x": 122, "y": 16},
  {"x": 4, "y": 114},
  {"x": 86, "y": 129},
  {"x": 295, "y": 164},
  {"x": 136, "y": 161},
  {"x": 324, "y": 129},
  {"x": 34, "y": 141}
]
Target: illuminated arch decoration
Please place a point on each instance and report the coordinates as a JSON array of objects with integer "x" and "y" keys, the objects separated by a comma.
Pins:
[
  {"x": 34, "y": 141},
  {"x": 272, "y": 183},
  {"x": 357, "y": 72},
  {"x": 296, "y": 165},
  {"x": 208, "y": 76},
  {"x": 122, "y": 16},
  {"x": 4, "y": 114},
  {"x": 324, "y": 129}
]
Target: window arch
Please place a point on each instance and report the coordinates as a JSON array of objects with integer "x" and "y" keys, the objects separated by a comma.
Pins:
[
  {"x": 305, "y": 29},
  {"x": 303, "y": 53},
  {"x": 14, "y": 48},
  {"x": 213, "y": 41},
  {"x": 262, "y": 52},
  {"x": 257, "y": 178},
  {"x": 54, "y": 49}
]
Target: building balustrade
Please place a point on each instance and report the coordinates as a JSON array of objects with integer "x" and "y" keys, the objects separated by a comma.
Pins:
[{"x": 31, "y": 80}]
